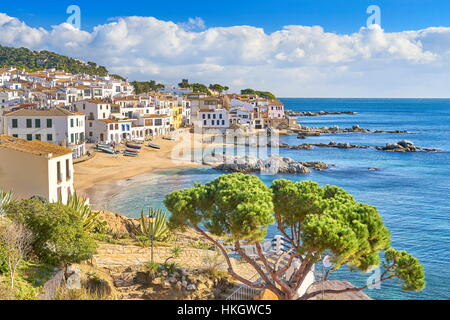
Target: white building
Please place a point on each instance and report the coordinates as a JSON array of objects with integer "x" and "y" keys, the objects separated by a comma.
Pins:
[
  {"x": 196, "y": 102},
  {"x": 35, "y": 168},
  {"x": 57, "y": 126},
  {"x": 214, "y": 119},
  {"x": 109, "y": 130},
  {"x": 241, "y": 117},
  {"x": 5, "y": 75},
  {"x": 94, "y": 109},
  {"x": 175, "y": 90},
  {"x": 10, "y": 97},
  {"x": 154, "y": 124}
]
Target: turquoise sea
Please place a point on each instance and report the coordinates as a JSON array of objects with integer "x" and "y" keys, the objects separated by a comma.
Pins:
[{"x": 411, "y": 191}]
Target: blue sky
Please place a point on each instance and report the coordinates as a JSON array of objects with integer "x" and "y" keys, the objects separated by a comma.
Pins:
[
  {"x": 340, "y": 16},
  {"x": 302, "y": 48}
]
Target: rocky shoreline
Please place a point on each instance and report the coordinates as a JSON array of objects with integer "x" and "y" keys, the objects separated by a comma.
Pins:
[
  {"x": 401, "y": 146},
  {"x": 304, "y": 132},
  {"x": 405, "y": 146},
  {"x": 292, "y": 113},
  {"x": 273, "y": 165},
  {"x": 311, "y": 146}
]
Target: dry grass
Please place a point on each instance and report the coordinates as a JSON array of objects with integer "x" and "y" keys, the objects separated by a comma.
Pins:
[{"x": 79, "y": 295}]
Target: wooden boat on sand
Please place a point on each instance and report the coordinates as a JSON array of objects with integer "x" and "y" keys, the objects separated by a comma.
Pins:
[
  {"x": 133, "y": 146},
  {"x": 130, "y": 154},
  {"x": 154, "y": 146}
]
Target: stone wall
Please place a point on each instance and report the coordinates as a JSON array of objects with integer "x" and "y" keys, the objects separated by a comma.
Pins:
[{"x": 110, "y": 256}]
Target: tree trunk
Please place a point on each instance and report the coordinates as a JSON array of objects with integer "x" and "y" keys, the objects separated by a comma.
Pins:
[
  {"x": 66, "y": 275},
  {"x": 12, "y": 276}
]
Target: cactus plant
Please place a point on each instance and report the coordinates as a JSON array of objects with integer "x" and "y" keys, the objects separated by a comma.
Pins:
[
  {"x": 5, "y": 199},
  {"x": 158, "y": 228},
  {"x": 91, "y": 219}
]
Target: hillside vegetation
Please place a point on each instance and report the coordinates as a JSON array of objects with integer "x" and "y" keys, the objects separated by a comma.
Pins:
[{"x": 40, "y": 60}]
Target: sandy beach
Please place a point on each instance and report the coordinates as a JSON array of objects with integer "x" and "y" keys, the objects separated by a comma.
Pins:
[{"x": 105, "y": 174}]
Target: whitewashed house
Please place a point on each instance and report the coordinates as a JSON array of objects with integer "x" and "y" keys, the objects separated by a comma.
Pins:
[
  {"x": 214, "y": 119},
  {"x": 5, "y": 75},
  {"x": 35, "y": 168},
  {"x": 57, "y": 126},
  {"x": 109, "y": 130},
  {"x": 94, "y": 109},
  {"x": 275, "y": 110},
  {"x": 154, "y": 124}
]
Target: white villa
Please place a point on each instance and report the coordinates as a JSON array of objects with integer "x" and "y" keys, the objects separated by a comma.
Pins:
[
  {"x": 57, "y": 126},
  {"x": 35, "y": 168}
]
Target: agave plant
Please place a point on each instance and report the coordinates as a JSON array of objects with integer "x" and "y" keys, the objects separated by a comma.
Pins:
[
  {"x": 155, "y": 224},
  {"x": 91, "y": 219},
  {"x": 5, "y": 199}
]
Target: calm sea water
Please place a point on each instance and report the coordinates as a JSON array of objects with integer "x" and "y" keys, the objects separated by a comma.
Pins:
[{"x": 411, "y": 191}]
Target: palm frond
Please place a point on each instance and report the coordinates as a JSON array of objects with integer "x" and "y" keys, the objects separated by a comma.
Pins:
[{"x": 5, "y": 199}]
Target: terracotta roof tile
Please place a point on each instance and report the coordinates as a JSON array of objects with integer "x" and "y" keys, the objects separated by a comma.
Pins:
[
  {"x": 35, "y": 147},
  {"x": 55, "y": 112}
]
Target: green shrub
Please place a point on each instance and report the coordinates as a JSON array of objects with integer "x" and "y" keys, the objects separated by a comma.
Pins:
[
  {"x": 101, "y": 237},
  {"x": 202, "y": 245},
  {"x": 3, "y": 262},
  {"x": 153, "y": 266},
  {"x": 24, "y": 290},
  {"x": 171, "y": 267},
  {"x": 59, "y": 237},
  {"x": 176, "y": 251}
]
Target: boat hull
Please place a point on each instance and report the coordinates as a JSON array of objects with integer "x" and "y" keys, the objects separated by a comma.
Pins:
[
  {"x": 106, "y": 150},
  {"x": 130, "y": 154},
  {"x": 133, "y": 146},
  {"x": 131, "y": 150},
  {"x": 154, "y": 146}
]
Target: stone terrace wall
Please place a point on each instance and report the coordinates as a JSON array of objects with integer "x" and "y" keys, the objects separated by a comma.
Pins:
[{"x": 110, "y": 256}]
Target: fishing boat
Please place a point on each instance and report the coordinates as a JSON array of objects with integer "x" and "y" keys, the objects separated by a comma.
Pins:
[
  {"x": 131, "y": 150},
  {"x": 104, "y": 145},
  {"x": 106, "y": 149},
  {"x": 130, "y": 154},
  {"x": 170, "y": 139},
  {"x": 154, "y": 146},
  {"x": 139, "y": 140},
  {"x": 133, "y": 146}
]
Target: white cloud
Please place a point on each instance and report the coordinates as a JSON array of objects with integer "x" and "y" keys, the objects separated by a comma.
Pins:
[{"x": 294, "y": 61}]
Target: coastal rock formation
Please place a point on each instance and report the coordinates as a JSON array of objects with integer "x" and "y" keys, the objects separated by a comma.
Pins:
[
  {"x": 274, "y": 164},
  {"x": 292, "y": 113},
  {"x": 401, "y": 146},
  {"x": 304, "y": 132},
  {"x": 316, "y": 165},
  {"x": 337, "y": 145},
  {"x": 405, "y": 146}
]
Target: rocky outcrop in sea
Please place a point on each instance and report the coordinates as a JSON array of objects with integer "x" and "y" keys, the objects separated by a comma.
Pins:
[
  {"x": 340, "y": 145},
  {"x": 272, "y": 165},
  {"x": 304, "y": 132},
  {"x": 405, "y": 146},
  {"x": 401, "y": 146}
]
